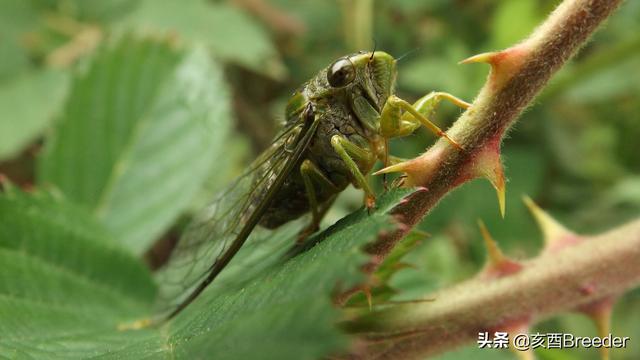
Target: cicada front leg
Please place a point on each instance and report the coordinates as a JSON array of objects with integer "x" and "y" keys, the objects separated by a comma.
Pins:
[
  {"x": 350, "y": 152},
  {"x": 399, "y": 118}
]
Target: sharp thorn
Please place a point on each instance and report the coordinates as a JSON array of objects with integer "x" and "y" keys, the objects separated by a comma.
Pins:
[
  {"x": 367, "y": 293},
  {"x": 495, "y": 255},
  {"x": 399, "y": 167},
  {"x": 502, "y": 202},
  {"x": 480, "y": 58},
  {"x": 490, "y": 167},
  {"x": 552, "y": 230},
  {"x": 600, "y": 312}
]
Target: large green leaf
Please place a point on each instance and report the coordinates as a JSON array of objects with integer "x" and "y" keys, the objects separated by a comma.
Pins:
[
  {"x": 66, "y": 291},
  {"x": 138, "y": 136},
  {"x": 28, "y": 103},
  {"x": 16, "y": 19},
  {"x": 89, "y": 10},
  {"x": 286, "y": 312},
  {"x": 231, "y": 35},
  {"x": 64, "y": 285}
]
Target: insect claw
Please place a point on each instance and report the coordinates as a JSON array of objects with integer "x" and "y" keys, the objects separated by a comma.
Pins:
[
  {"x": 306, "y": 232},
  {"x": 385, "y": 185},
  {"x": 370, "y": 203},
  {"x": 451, "y": 141}
]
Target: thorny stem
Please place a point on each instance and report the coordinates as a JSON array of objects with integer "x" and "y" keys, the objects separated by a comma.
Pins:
[
  {"x": 518, "y": 75},
  {"x": 496, "y": 108},
  {"x": 596, "y": 268}
]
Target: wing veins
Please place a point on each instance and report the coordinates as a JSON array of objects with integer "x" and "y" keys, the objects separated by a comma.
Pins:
[{"x": 302, "y": 140}]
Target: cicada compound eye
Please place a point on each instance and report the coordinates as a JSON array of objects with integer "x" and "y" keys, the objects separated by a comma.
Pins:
[{"x": 341, "y": 73}]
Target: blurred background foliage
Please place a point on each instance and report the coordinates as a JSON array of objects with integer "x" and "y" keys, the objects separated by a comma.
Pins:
[{"x": 576, "y": 151}]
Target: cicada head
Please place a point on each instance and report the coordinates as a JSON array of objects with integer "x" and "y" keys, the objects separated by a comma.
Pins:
[
  {"x": 362, "y": 82},
  {"x": 371, "y": 73}
]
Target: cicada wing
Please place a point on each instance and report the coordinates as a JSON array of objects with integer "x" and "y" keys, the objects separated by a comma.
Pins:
[{"x": 221, "y": 228}]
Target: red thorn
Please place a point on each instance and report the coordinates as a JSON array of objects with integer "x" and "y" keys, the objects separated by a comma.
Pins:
[
  {"x": 600, "y": 312},
  {"x": 504, "y": 64},
  {"x": 498, "y": 265},
  {"x": 514, "y": 327},
  {"x": 520, "y": 325},
  {"x": 487, "y": 164},
  {"x": 404, "y": 201},
  {"x": 420, "y": 169},
  {"x": 556, "y": 236}
]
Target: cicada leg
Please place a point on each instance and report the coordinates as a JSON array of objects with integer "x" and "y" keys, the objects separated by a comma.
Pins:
[
  {"x": 312, "y": 174},
  {"x": 399, "y": 118},
  {"x": 349, "y": 151}
]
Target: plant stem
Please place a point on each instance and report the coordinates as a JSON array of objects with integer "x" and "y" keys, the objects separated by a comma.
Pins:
[
  {"x": 596, "y": 268},
  {"x": 518, "y": 75}
]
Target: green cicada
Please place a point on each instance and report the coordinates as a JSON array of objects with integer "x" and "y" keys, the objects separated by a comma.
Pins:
[{"x": 337, "y": 126}]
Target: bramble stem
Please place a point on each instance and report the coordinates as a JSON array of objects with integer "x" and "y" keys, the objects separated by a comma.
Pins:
[
  {"x": 518, "y": 75},
  {"x": 594, "y": 269},
  {"x": 597, "y": 268}
]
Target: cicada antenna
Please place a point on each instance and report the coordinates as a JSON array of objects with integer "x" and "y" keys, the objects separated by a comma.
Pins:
[
  {"x": 408, "y": 53},
  {"x": 375, "y": 46}
]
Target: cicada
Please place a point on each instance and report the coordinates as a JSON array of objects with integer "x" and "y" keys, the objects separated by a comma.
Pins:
[{"x": 338, "y": 125}]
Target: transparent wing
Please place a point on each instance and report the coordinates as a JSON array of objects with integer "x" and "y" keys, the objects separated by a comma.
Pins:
[{"x": 227, "y": 222}]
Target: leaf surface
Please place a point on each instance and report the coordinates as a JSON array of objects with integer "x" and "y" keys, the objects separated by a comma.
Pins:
[
  {"x": 226, "y": 30},
  {"x": 66, "y": 289},
  {"x": 64, "y": 285},
  {"x": 28, "y": 102},
  {"x": 138, "y": 136}
]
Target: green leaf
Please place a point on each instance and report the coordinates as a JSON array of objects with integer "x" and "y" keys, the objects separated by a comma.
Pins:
[
  {"x": 28, "y": 103},
  {"x": 227, "y": 168},
  {"x": 230, "y": 34},
  {"x": 64, "y": 285},
  {"x": 66, "y": 289},
  {"x": 16, "y": 19},
  {"x": 285, "y": 312},
  {"x": 90, "y": 10},
  {"x": 138, "y": 136}
]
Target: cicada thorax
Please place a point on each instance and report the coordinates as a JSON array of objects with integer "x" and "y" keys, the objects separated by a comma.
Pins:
[{"x": 336, "y": 117}]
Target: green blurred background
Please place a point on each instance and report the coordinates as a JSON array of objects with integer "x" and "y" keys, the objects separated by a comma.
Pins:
[{"x": 576, "y": 151}]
